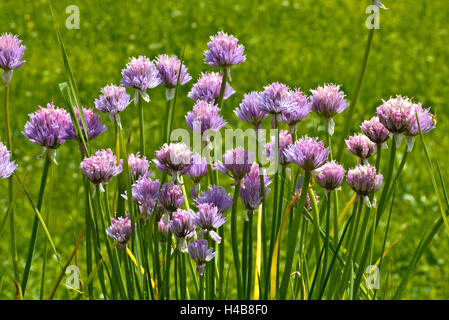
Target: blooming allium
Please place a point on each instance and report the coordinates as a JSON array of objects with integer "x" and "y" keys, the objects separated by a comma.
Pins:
[
  {"x": 146, "y": 193},
  {"x": 217, "y": 196},
  {"x": 200, "y": 253},
  {"x": 375, "y": 130},
  {"x": 11, "y": 54},
  {"x": 163, "y": 226},
  {"x": 308, "y": 153},
  {"x": 47, "y": 126},
  {"x": 205, "y": 116},
  {"x": 275, "y": 99},
  {"x": 330, "y": 175},
  {"x": 396, "y": 113},
  {"x": 208, "y": 88},
  {"x": 168, "y": 68},
  {"x": 224, "y": 51},
  {"x": 138, "y": 166},
  {"x": 299, "y": 110},
  {"x": 426, "y": 121},
  {"x": 208, "y": 218},
  {"x": 237, "y": 163},
  {"x": 363, "y": 179},
  {"x": 250, "y": 189},
  {"x": 101, "y": 167},
  {"x": 360, "y": 146},
  {"x": 120, "y": 230},
  {"x": 7, "y": 166},
  {"x": 181, "y": 225},
  {"x": 249, "y": 110},
  {"x": 285, "y": 140},
  {"x": 170, "y": 197},
  {"x": 328, "y": 100},
  {"x": 198, "y": 169},
  {"x": 176, "y": 158},
  {"x": 140, "y": 74},
  {"x": 93, "y": 124},
  {"x": 112, "y": 101}
]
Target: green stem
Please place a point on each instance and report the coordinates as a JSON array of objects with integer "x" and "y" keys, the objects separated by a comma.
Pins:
[
  {"x": 235, "y": 249},
  {"x": 166, "y": 132},
  {"x": 219, "y": 101},
  {"x": 142, "y": 127},
  {"x": 31, "y": 246}
]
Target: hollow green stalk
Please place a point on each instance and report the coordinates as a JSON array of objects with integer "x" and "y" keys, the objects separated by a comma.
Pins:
[{"x": 235, "y": 248}]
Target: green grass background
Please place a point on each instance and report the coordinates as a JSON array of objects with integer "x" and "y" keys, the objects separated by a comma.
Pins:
[{"x": 302, "y": 43}]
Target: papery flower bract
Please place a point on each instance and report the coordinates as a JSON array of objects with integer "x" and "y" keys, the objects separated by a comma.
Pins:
[
  {"x": 7, "y": 166},
  {"x": 208, "y": 88},
  {"x": 175, "y": 157},
  {"x": 170, "y": 197},
  {"x": 47, "y": 126},
  {"x": 205, "y": 116},
  {"x": 308, "y": 153},
  {"x": 224, "y": 51},
  {"x": 198, "y": 169},
  {"x": 208, "y": 218},
  {"x": 330, "y": 175},
  {"x": 200, "y": 253},
  {"x": 93, "y": 124},
  {"x": 181, "y": 225},
  {"x": 375, "y": 130},
  {"x": 250, "y": 189},
  {"x": 138, "y": 165},
  {"x": 298, "y": 111},
  {"x": 237, "y": 163},
  {"x": 249, "y": 110},
  {"x": 363, "y": 179},
  {"x": 217, "y": 196},
  {"x": 360, "y": 146},
  {"x": 141, "y": 74},
  {"x": 168, "y": 68},
  {"x": 328, "y": 100},
  {"x": 120, "y": 230},
  {"x": 146, "y": 193},
  {"x": 275, "y": 99},
  {"x": 396, "y": 113},
  {"x": 113, "y": 100},
  {"x": 101, "y": 167},
  {"x": 11, "y": 54},
  {"x": 285, "y": 140}
]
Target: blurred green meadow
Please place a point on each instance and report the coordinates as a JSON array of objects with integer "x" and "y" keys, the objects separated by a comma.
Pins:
[{"x": 302, "y": 43}]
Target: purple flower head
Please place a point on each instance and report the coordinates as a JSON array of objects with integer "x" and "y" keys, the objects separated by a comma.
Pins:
[
  {"x": 120, "y": 230},
  {"x": 396, "y": 113},
  {"x": 200, "y": 253},
  {"x": 176, "y": 158},
  {"x": 249, "y": 110},
  {"x": 375, "y": 130},
  {"x": 146, "y": 193},
  {"x": 426, "y": 121},
  {"x": 224, "y": 51},
  {"x": 140, "y": 74},
  {"x": 236, "y": 163},
  {"x": 170, "y": 197},
  {"x": 208, "y": 88},
  {"x": 47, "y": 126},
  {"x": 198, "y": 169},
  {"x": 328, "y": 100},
  {"x": 285, "y": 140},
  {"x": 138, "y": 166},
  {"x": 275, "y": 99},
  {"x": 168, "y": 68},
  {"x": 308, "y": 153},
  {"x": 330, "y": 175},
  {"x": 101, "y": 167},
  {"x": 163, "y": 226},
  {"x": 217, "y": 196},
  {"x": 112, "y": 101},
  {"x": 11, "y": 54},
  {"x": 364, "y": 179},
  {"x": 298, "y": 111},
  {"x": 93, "y": 124},
  {"x": 7, "y": 166},
  {"x": 208, "y": 218},
  {"x": 360, "y": 146},
  {"x": 181, "y": 225},
  {"x": 250, "y": 189},
  {"x": 205, "y": 116}
]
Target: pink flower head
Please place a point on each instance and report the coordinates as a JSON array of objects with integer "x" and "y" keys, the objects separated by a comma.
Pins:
[
  {"x": 308, "y": 153},
  {"x": 224, "y": 51},
  {"x": 360, "y": 146},
  {"x": 328, "y": 100},
  {"x": 330, "y": 175},
  {"x": 168, "y": 68},
  {"x": 205, "y": 116}
]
